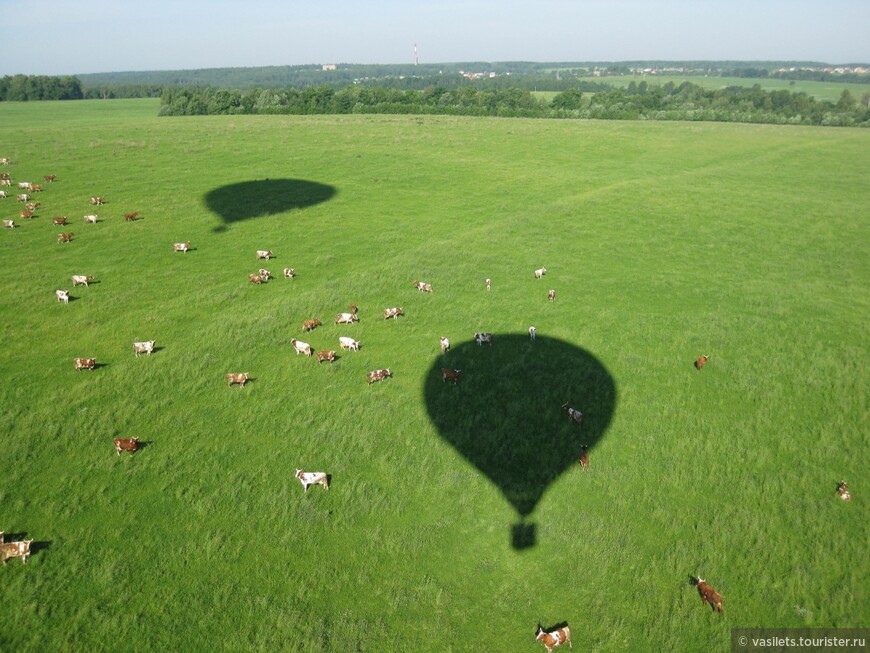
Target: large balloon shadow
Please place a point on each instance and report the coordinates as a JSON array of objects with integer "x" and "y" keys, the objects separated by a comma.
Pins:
[
  {"x": 505, "y": 416},
  {"x": 254, "y": 199}
]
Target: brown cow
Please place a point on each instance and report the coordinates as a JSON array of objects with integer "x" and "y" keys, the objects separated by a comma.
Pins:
[
  {"x": 15, "y": 550},
  {"x": 451, "y": 375},
  {"x": 309, "y": 325},
  {"x": 701, "y": 362},
  {"x": 65, "y": 238},
  {"x": 131, "y": 217},
  {"x": 255, "y": 279},
  {"x": 393, "y": 312},
  {"x": 28, "y": 214},
  {"x": 551, "y": 295},
  {"x": 584, "y": 457},
  {"x": 326, "y": 355},
  {"x": 59, "y": 220},
  {"x": 126, "y": 444},
  {"x": 554, "y": 638},
  {"x": 241, "y": 379},
  {"x": 49, "y": 178},
  {"x": 709, "y": 595},
  {"x": 35, "y": 188},
  {"x": 843, "y": 491},
  {"x": 379, "y": 375},
  {"x": 85, "y": 364}
]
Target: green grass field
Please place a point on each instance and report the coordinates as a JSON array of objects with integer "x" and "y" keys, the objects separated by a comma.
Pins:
[{"x": 664, "y": 241}]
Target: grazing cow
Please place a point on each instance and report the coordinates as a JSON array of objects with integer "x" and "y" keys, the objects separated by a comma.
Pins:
[
  {"x": 143, "y": 348},
  {"x": 326, "y": 355},
  {"x": 23, "y": 197},
  {"x": 309, "y": 325},
  {"x": 843, "y": 491},
  {"x": 82, "y": 279},
  {"x": 125, "y": 444},
  {"x": 354, "y": 309},
  {"x": 255, "y": 279},
  {"x": 62, "y": 296},
  {"x": 32, "y": 206},
  {"x": 289, "y": 273},
  {"x": 264, "y": 253},
  {"x": 65, "y": 238},
  {"x": 131, "y": 217},
  {"x": 24, "y": 185},
  {"x": 451, "y": 375},
  {"x": 348, "y": 343},
  {"x": 98, "y": 201},
  {"x": 85, "y": 364},
  {"x": 393, "y": 312},
  {"x": 9, "y": 224},
  {"x": 6, "y": 182},
  {"x": 481, "y": 338},
  {"x": 49, "y": 178},
  {"x": 181, "y": 247},
  {"x": 59, "y": 220},
  {"x": 488, "y": 284},
  {"x": 445, "y": 345},
  {"x": 573, "y": 414},
  {"x": 379, "y": 375},
  {"x": 3, "y": 194},
  {"x": 584, "y": 457},
  {"x": 346, "y": 318},
  {"x": 301, "y": 347},
  {"x": 241, "y": 379},
  {"x": 540, "y": 272},
  {"x": 699, "y": 364},
  {"x": 709, "y": 595},
  {"x": 264, "y": 274},
  {"x": 312, "y": 478},
  {"x": 91, "y": 219},
  {"x": 423, "y": 287},
  {"x": 15, "y": 550},
  {"x": 551, "y": 295},
  {"x": 4, "y": 161},
  {"x": 532, "y": 332},
  {"x": 27, "y": 214},
  {"x": 554, "y": 638},
  {"x": 35, "y": 188}
]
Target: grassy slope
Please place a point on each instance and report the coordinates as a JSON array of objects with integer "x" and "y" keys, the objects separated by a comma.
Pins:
[{"x": 664, "y": 241}]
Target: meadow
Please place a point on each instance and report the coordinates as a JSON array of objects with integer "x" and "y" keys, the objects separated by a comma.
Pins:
[{"x": 456, "y": 519}]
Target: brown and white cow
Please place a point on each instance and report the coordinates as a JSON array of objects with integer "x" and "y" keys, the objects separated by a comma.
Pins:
[
  {"x": 131, "y": 217},
  {"x": 126, "y": 444},
  {"x": 699, "y": 364},
  {"x": 551, "y": 295},
  {"x": 181, "y": 247},
  {"x": 264, "y": 253},
  {"x": 240, "y": 378},
  {"x": 15, "y": 550},
  {"x": 481, "y": 338},
  {"x": 575, "y": 415},
  {"x": 59, "y": 220},
  {"x": 533, "y": 332},
  {"x": 65, "y": 238},
  {"x": 423, "y": 287},
  {"x": 32, "y": 206},
  {"x": 82, "y": 279},
  {"x": 9, "y": 224},
  {"x": 62, "y": 296},
  {"x": 84, "y": 364},
  {"x": 26, "y": 214},
  {"x": 379, "y": 375},
  {"x": 393, "y": 312},
  {"x": 348, "y": 343},
  {"x": 540, "y": 272},
  {"x": 264, "y": 274},
  {"x": 49, "y": 178},
  {"x": 146, "y": 347},
  {"x": 448, "y": 374},
  {"x": 554, "y": 638},
  {"x": 255, "y": 279},
  {"x": 310, "y": 325},
  {"x": 584, "y": 457},
  {"x": 445, "y": 345},
  {"x": 24, "y": 185},
  {"x": 3, "y": 194},
  {"x": 843, "y": 491},
  {"x": 709, "y": 595},
  {"x": 346, "y": 318},
  {"x": 301, "y": 347},
  {"x": 289, "y": 273},
  {"x": 488, "y": 284},
  {"x": 22, "y": 197},
  {"x": 98, "y": 201},
  {"x": 91, "y": 219},
  {"x": 326, "y": 355},
  {"x": 312, "y": 478},
  {"x": 35, "y": 188}
]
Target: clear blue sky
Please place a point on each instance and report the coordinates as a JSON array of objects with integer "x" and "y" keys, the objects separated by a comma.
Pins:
[{"x": 53, "y": 37}]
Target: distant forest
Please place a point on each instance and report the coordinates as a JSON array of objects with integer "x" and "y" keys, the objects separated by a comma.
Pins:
[{"x": 472, "y": 88}]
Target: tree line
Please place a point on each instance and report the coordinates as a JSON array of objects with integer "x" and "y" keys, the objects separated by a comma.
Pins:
[{"x": 641, "y": 101}]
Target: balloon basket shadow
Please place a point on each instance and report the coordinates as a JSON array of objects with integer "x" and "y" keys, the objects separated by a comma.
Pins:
[{"x": 524, "y": 536}]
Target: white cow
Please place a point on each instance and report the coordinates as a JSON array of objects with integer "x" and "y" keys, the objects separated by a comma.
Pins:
[
  {"x": 91, "y": 219},
  {"x": 532, "y": 332},
  {"x": 23, "y": 197},
  {"x": 9, "y": 224},
  {"x": 346, "y": 318},
  {"x": 25, "y": 185},
  {"x": 445, "y": 345},
  {"x": 3, "y": 194},
  {"x": 264, "y": 253},
  {"x": 143, "y": 348},
  {"x": 62, "y": 296},
  {"x": 301, "y": 347},
  {"x": 181, "y": 247},
  {"x": 540, "y": 273},
  {"x": 348, "y": 343},
  {"x": 312, "y": 478},
  {"x": 481, "y": 338},
  {"x": 82, "y": 279}
]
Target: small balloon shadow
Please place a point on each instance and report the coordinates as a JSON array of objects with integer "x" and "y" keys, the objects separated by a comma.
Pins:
[
  {"x": 505, "y": 416},
  {"x": 263, "y": 197}
]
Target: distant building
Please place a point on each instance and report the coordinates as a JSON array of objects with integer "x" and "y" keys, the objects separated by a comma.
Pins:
[{"x": 329, "y": 66}]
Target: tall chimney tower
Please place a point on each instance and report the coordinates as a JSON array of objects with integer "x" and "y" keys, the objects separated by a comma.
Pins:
[{"x": 416, "y": 60}]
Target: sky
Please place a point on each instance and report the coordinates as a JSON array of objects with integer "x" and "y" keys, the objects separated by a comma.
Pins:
[{"x": 66, "y": 37}]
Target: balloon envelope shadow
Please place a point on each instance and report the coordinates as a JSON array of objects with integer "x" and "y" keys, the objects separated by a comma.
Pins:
[
  {"x": 505, "y": 416},
  {"x": 263, "y": 197}
]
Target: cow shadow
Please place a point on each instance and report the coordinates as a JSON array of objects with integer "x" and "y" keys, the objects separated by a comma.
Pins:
[
  {"x": 550, "y": 629},
  {"x": 39, "y": 545},
  {"x": 505, "y": 416},
  {"x": 264, "y": 197},
  {"x": 98, "y": 366}
]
